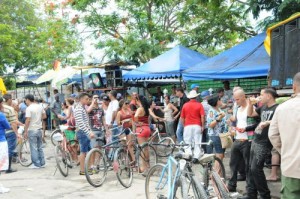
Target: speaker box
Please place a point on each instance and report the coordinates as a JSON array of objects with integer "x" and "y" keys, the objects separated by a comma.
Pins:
[
  {"x": 292, "y": 52},
  {"x": 285, "y": 54},
  {"x": 277, "y": 56}
]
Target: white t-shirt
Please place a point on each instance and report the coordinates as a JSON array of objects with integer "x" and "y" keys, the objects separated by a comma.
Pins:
[
  {"x": 35, "y": 112},
  {"x": 241, "y": 117},
  {"x": 113, "y": 106}
]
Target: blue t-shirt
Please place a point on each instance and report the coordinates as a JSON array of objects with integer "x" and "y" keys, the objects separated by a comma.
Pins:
[
  {"x": 3, "y": 125},
  {"x": 220, "y": 126}
]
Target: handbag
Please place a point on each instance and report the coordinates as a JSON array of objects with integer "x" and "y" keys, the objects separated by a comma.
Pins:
[{"x": 226, "y": 140}]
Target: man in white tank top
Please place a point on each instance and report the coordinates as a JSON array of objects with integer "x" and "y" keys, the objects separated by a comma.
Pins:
[{"x": 241, "y": 146}]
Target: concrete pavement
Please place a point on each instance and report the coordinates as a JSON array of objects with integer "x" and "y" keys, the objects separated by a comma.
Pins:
[{"x": 42, "y": 183}]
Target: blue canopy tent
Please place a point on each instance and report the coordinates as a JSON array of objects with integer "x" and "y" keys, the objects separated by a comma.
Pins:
[
  {"x": 167, "y": 65},
  {"x": 247, "y": 59}
]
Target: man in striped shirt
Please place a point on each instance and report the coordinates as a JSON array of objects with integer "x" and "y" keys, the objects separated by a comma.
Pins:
[
  {"x": 84, "y": 133},
  {"x": 10, "y": 134}
]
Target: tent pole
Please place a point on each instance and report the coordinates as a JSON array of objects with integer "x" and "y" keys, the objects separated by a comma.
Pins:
[
  {"x": 82, "y": 83},
  {"x": 180, "y": 80}
]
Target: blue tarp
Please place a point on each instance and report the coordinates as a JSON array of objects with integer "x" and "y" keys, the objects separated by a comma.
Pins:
[
  {"x": 247, "y": 59},
  {"x": 167, "y": 65}
]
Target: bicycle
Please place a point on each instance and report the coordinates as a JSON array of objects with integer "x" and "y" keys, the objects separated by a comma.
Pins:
[
  {"x": 99, "y": 159},
  {"x": 58, "y": 130},
  {"x": 123, "y": 160},
  {"x": 63, "y": 153},
  {"x": 159, "y": 179},
  {"x": 165, "y": 142},
  {"x": 24, "y": 154},
  {"x": 218, "y": 180}
]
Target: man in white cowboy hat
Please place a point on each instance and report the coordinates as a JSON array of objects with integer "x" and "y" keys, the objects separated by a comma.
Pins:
[{"x": 193, "y": 117}]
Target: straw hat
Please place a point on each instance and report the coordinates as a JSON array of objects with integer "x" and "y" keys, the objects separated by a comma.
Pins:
[{"x": 193, "y": 94}]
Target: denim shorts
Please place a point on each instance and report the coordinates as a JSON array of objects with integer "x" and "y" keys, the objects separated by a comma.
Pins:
[
  {"x": 217, "y": 145},
  {"x": 84, "y": 141}
]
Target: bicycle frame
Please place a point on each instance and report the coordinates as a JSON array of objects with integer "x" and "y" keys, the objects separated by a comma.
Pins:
[{"x": 171, "y": 185}]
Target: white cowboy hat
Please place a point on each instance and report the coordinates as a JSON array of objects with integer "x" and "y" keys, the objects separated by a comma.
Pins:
[{"x": 193, "y": 94}]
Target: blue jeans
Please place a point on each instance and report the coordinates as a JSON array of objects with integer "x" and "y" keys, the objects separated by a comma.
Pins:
[
  {"x": 11, "y": 142},
  {"x": 35, "y": 141},
  {"x": 217, "y": 145},
  {"x": 179, "y": 131}
]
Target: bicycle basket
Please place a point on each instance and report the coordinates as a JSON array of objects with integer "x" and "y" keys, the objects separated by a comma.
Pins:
[{"x": 58, "y": 137}]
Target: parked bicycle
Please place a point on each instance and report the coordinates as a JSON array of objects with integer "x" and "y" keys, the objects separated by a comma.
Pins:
[
  {"x": 24, "y": 154},
  {"x": 162, "y": 145},
  {"x": 65, "y": 153},
  {"x": 175, "y": 179}
]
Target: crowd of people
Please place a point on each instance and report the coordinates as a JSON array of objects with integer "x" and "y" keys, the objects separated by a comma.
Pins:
[{"x": 260, "y": 129}]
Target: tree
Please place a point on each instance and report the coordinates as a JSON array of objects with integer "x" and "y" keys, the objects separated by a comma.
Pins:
[
  {"x": 140, "y": 30},
  {"x": 281, "y": 9},
  {"x": 32, "y": 39}
]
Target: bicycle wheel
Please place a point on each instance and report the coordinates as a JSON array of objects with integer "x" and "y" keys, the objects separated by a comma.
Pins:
[
  {"x": 24, "y": 154},
  {"x": 147, "y": 155},
  {"x": 61, "y": 159},
  {"x": 156, "y": 184},
  {"x": 219, "y": 168},
  {"x": 55, "y": 143},
  {"x": 205, "y": 177},
  {"x": 95, "y": 162},
  {"x": 184, "y": 188},
  {"x": 123, "y": 168},
  {"x": 198, "y": 188},
  {"x": 220, "y": 185},
  {"x": 164, "y": 147}
]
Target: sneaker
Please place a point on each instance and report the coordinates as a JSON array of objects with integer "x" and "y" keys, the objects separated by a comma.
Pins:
[
  {"x": 4, "y": 189},
  {"x": 43, "y": 166},
  {"x": 83, "y": 173},
  {"x": 33, "y": 167}
]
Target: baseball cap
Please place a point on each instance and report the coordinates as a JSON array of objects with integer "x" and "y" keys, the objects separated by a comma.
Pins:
[
  {"x": 205, "y": 93},
  {"x": 105, "y": 97},
  {"x": 194, "y": 86},
  {"x": 73, "y": 95}
]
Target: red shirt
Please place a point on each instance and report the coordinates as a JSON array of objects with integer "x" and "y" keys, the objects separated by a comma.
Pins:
[{"x": 192, "y": 112}]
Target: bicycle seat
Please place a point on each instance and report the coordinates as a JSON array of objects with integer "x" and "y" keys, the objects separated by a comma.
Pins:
[
  {"x": 207, "y": 158},
  {"x": 185, "y": 156}
]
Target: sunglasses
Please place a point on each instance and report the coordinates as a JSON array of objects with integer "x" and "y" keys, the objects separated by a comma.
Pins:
[
  {"x": 95, "y": 97},
  {"x": 126, "y": 103}
]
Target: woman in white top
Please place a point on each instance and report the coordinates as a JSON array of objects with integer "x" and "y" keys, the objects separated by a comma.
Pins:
[{"x": 170, "y": 111}]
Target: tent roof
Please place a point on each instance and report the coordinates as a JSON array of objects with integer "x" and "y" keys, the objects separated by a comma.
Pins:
[
  {"x": 247, "y": 59},
  {"x": 168, "y": 64}
]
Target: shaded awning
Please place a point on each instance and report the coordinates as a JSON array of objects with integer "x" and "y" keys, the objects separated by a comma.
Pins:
[
  {"x": 167, "y": 65},
  {"x": 47, "y": 76},
  {"x": 247, "y": 59}
]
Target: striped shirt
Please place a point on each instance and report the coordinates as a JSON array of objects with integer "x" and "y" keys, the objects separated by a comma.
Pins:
[
  {"x": 82, "y": 119},
  {"x": 10, "y": 115}
]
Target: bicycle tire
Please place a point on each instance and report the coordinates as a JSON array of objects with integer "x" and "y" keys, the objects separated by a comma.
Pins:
[
  {"x": 61, "y": 161},
  {"x": 55, "y": 143},
  {"x": 205, "y": 177},
  {"x": 151, "y": 160},
  {"x": 25, "y": 151},
  {"x": 154, "y": 190},
  {"x": 201, "y": 191},
  {"x": 99, "y": 164},
  {"x": 224, "y": 193},
  {"x": 165, "y": 149},
  {"x": 183, "y": 186},
  {"x": 122, "y": 167},
  {"x": 222, "y": 169}
]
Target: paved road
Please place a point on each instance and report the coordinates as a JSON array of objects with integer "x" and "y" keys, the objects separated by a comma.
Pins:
[{"x": 42, "y": 183}]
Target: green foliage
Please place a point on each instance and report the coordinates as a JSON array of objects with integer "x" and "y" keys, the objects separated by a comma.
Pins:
[
  {"x": 140, "y": 30},
  {"x": 281, "y": 9},
  {"x": 10, "y": 83},
  {"x": 31, "y": 39}
]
